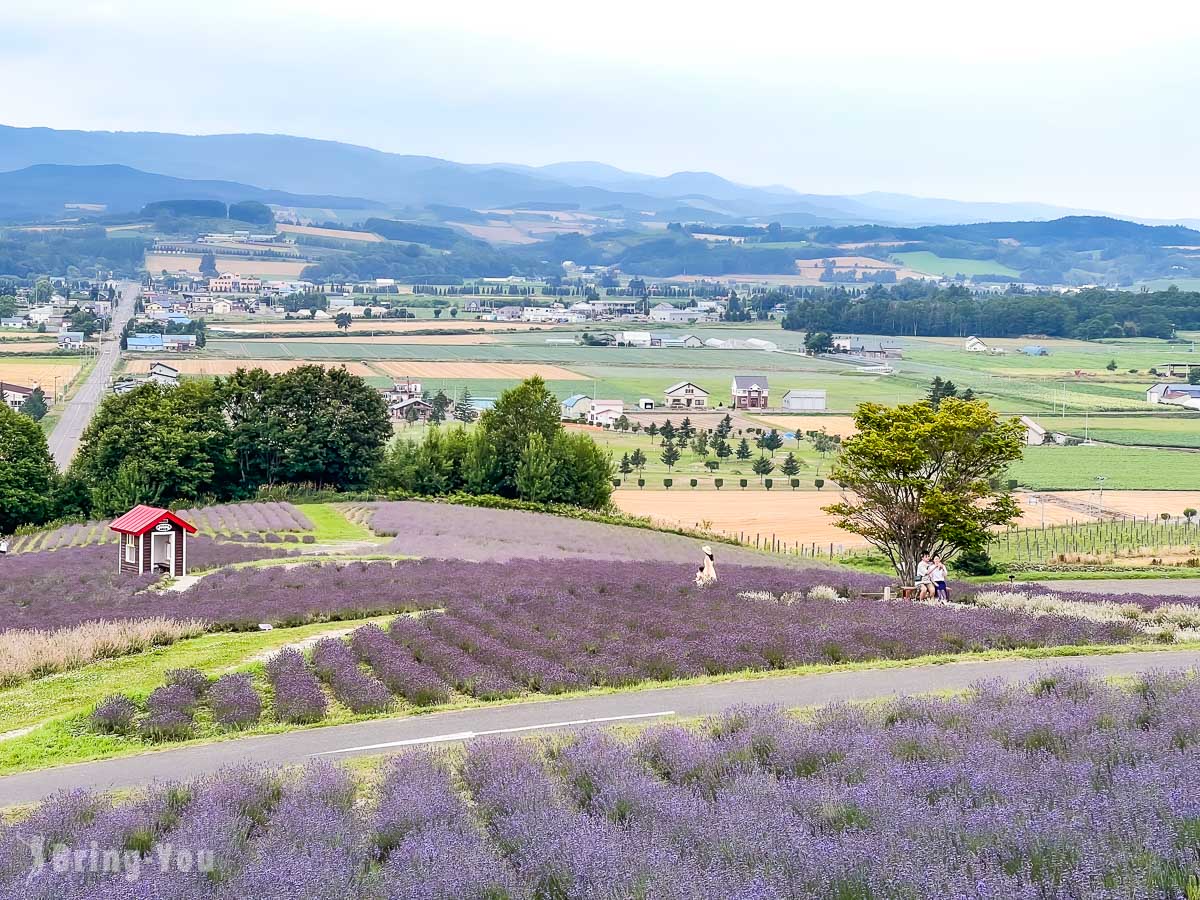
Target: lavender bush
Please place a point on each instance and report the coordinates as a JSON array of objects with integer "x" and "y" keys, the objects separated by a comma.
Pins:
[
  {"x": 192, "y": 680},
  {"x": 298, "y": 697},
  {"x": 396, "y": 667},
  {"x": 235, "y": 702},
  {"x": 337, "y": 665},
  {"x": 1060, "y": 787},
  {"x": 170, "y": 712},
  {"x": 114, "y": 714}
]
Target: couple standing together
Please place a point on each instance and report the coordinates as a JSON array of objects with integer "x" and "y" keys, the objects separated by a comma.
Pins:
[{"x": 931, "y": 579}]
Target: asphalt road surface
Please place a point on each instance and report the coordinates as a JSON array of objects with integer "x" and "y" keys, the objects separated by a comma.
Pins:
[
  {"x": 391, "y": 735},
  {"x": 64, "y": 439}
]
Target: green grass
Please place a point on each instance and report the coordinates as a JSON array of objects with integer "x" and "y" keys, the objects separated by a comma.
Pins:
[
  {"x": 1155, "y": 430},
  {"x": 1123, "y": 468},
  {"x": 932, "y": 264},
  {"x": 330, "y": 525}
]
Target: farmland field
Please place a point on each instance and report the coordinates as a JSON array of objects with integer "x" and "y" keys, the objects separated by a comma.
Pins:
[
  {"x": 302, "y": 326},
  {"x": 1142, "y": 503},
  {"x": 801, "y": 424},
  {"x": 931, "y": 264},
  {"x": 333, "y": 233},
  {"x": 211, "y": 367},
  {"x": 25, "y": 346},
  {"x": 41, "y": 372},
  {"x": 1155, "y": 430},
  {"x": 1131, "y": 468},
  {"x": 238, "y": 265},
  {"x": 467, "y": 370}
]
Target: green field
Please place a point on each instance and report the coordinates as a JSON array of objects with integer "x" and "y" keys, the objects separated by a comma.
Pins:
[
  {"x": 932, "y": 264},
  {"x": 1123, "y": 468},
  {"x": 1161, "y": 430}
]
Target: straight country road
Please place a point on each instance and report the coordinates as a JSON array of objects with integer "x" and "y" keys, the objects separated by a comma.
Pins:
[
  {"x": 64, "y": 439},
  {"x": 390, "y": 735}
]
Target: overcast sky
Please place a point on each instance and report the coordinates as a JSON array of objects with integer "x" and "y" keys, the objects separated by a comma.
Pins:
[{"x": 1087, "y": 104}]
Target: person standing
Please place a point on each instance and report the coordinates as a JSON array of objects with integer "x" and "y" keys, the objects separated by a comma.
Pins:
[
  {"x": 924, "y": 582},
  {"x": 3, "y": 545},
  {"x": 938, "y": 576}
]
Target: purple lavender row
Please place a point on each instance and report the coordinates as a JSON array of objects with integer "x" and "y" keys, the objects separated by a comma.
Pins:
[
  {"x": 298, "y": 697},
  {"x": 395, "y": 667},
  {"x": 337, "y": 665},
  {"x": 453, "y": 664}
]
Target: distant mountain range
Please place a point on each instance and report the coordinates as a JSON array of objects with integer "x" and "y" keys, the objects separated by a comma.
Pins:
[
  {"x": 295, "y": 171},
  {"x": 44, "y": 190}
]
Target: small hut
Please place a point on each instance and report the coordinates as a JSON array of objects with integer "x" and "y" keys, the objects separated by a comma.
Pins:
[{"x": 152, "y": 540}]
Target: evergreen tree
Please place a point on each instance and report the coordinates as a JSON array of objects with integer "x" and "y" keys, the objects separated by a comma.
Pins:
[
  {"x": 725, "y": 428},
  {"x": 463, "y": 410},
  {"x": 35, "y": 405},
  {"x": 763, "y": 466},
  {"x": 440, "y": 403},
  {"x": 669, "y": 455},
  {"x": 668, "y": 432},
  {"x": 722, "y": 448},
  {"x": 625, "y": 467},
  {"x": 686, "y": 429},
  {"x": 791, "y": 465},
  {"x": 638, "y": 459},
  {"x": 743, "y": 450}
]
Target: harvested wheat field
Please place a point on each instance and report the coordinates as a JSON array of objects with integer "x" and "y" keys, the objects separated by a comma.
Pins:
[
  {"x": 515, "y": 371},
  {"x": 293, "y": 326},
  {"x": 839, "y": 425},
  {"x": 794, "y": 517},
  {"x": 27, "y": 347},
  {"x": 212, "y": 367},
  {"x": 1136, "y": 503},
  {"x": 33, "y": 374},
  {"x": 238, "y": 265},
  {"x": 334, "y": 233}
]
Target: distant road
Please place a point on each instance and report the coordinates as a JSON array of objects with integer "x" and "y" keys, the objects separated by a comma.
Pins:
[
  {"x": 1171, "y": 587},
  {"x": 658, "y": 704},
  {"x": 64, "y": 439}
]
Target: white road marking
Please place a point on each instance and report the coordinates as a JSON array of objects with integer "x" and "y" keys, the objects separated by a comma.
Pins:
[{"x": 467, "y": 735}]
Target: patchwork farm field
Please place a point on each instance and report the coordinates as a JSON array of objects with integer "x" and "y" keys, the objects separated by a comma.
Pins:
[
  {"x": 212, "y": 367},
  {"x": 238, "y": 265},
  {"x": 30, "y": 372},
  {"x": 468, "y": 370},
  {"x": 1129, "y": 468},
  {"x": 333, "y": 233},
  {"x": 422, "y": 323},
  {"x": 1155, "y": 430},
  {"x": 27, "y": 346},
  {"x": 927, "y": 263}
]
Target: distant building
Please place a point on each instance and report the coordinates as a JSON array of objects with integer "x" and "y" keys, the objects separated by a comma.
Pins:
[
  {"x": 1035, "y": 434},
  {"x": 685, "y": 395},
  {"x": 1185, "y": 395},
  {"x": 70, "y": 340},
  {"x": 14, "y": 322},
  {"x": 675, "y": 341},
  {"x": 645, "y": 403},
  {"x": 178, "y": 343},
  {"x": 749, "y": 392},
  {"x": 975, "y": 345},
  {"x": 576, "y": 406},
  {"x": 144, "y": 343},
  {"x": 1035, "y": 350},
  {"x": 665, "y": 312},
  {"x": 636, "y": 338},
  {"x": 804, "y": 401},
  {"x": 401, "y": 391},
  {"x": 225, "y": 283},
  {"x": 161, "y": 373},
  {"x": 605, "y": 412},
  {"x": 15, "y": 395},
  {"x": 412, "y": 409}
]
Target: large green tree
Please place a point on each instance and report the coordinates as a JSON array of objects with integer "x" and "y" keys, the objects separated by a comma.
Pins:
[
  {"x": 34, "y": 405},
  {"x": 916, "y": 479},
  {"x": 521, "y": 412},
  {"x": 27, "y": 473}
]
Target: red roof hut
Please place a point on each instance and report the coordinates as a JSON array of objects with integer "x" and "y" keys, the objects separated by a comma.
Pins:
[{"x": 153, "y": 540}]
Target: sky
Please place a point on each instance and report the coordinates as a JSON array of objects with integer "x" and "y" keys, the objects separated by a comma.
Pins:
[{"x": 1083, "y": 104}]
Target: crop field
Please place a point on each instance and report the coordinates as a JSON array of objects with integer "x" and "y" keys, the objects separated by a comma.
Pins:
[
  {"x": 304, "y": 326},
  {"x": 1123, "y": 542},
  {"x": 400, "y": 338},
  {"x": 33, "y": 372},
  {"x": 751, "y": 803},
  {"x": 801, "y": 424},
  {"x": 929, "y": 263},
  {"x": 467, "y": 370},
  {"x": 333, "y": 233},
  {"x": 1140, "y": 504},
  {"x": 26, "y": 346},
  {"x": 1152, "y": 430},
  {"x": 238, "y": 265},
  {"x": 212, "y": 367},
  {"x": 1122, "y": 468}
]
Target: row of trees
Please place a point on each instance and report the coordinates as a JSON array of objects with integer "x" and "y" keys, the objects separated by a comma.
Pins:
[
  {"x": 955, "y": 311},
  {"x": 519, "y": 450}
]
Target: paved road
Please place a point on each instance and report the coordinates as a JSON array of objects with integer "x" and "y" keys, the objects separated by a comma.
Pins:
[
  {"x": 1176, "y": 587},
  {"x": 64, "y": 440},
  {"x": 383, "y": 735}
]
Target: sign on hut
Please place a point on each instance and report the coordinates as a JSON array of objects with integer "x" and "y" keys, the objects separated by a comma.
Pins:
[{"x": 152, "y": 540}]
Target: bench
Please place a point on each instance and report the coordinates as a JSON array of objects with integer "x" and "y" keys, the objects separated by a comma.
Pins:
[{"x": 900, "y": 591}]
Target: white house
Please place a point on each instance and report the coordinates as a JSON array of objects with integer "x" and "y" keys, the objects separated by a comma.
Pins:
[
  {"x": 576, "y": 406},
  {"x": 161, "y": 373},
  {"x": 70, "y": 340},
  {"x": 804, "y": 401},
  {"x": 665, "y": 312},
  {"x": 605, "y": 412},
  {"x": 225, "y": 283},
  {"x": 685, "y": 395},
  {"x": 636, "y": 338},
  {"x": 14, "y": 394},
  {"x": 645, "y": 403},
  {"x": 1035, "y": 434},
  {"x": 975, "y": 345},
  {"x": 222, "y": 307},
  {"x": 749, "y": 392},
  {"x": 401, "y": 391}
]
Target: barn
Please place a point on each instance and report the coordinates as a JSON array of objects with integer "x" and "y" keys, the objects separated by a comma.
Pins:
[
  {"x": 804, "y": 401},
  {"x": 152, "y": 540}
]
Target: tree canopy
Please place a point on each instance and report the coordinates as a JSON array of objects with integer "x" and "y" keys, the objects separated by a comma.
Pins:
[
  {"x": 916, "y": 479},
  {"x": 27, "y": 472}
]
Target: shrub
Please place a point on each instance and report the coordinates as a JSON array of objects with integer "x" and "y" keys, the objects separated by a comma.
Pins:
[
  {"x": 824, "y": 592},
  {"x": 693, "y": 483},
  {"x": 169, "y": 713},
  {"x": 192, "y": 680},
  {"x": 667, "y": 482},
  {"x": 819, "y": 483},
  {"x": 336, "y": 663},
  {"x": 973, "y": 562},
  {"x": 298, "y": 695},
  {"x": 795, "y": 483},
  {"x": 235, "y": 702},
  {"x": 718, "y": 483},
  {"x": 398, "y": 669},
  {"x": 768, "y": 483},
  {"x": 641, "y": 482},
  {"x": 743, "y": 482},
  {"x": 114, "y": 714}
]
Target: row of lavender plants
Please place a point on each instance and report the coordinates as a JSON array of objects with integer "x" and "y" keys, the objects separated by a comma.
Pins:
[
  {"x": 269, "y": 521},
  {"x": 1062, "y": 787},
  {"x": 170, "y": 712},
  {"x": 500, "y": 631}
]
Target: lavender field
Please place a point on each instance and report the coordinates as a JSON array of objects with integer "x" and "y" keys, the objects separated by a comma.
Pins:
[
  {"x": 502, "y": 630},
  {"x": 243, "y": 520},
  {"x": 1058, "y": 788},
  {"x": 474, "y": 533}
]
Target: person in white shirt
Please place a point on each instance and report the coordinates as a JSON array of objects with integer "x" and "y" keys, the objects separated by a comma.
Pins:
[
  {"x": 937, "y": 573},
  {"x": 925, "y": 587},
  {"x": 3, "y": 546}
]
